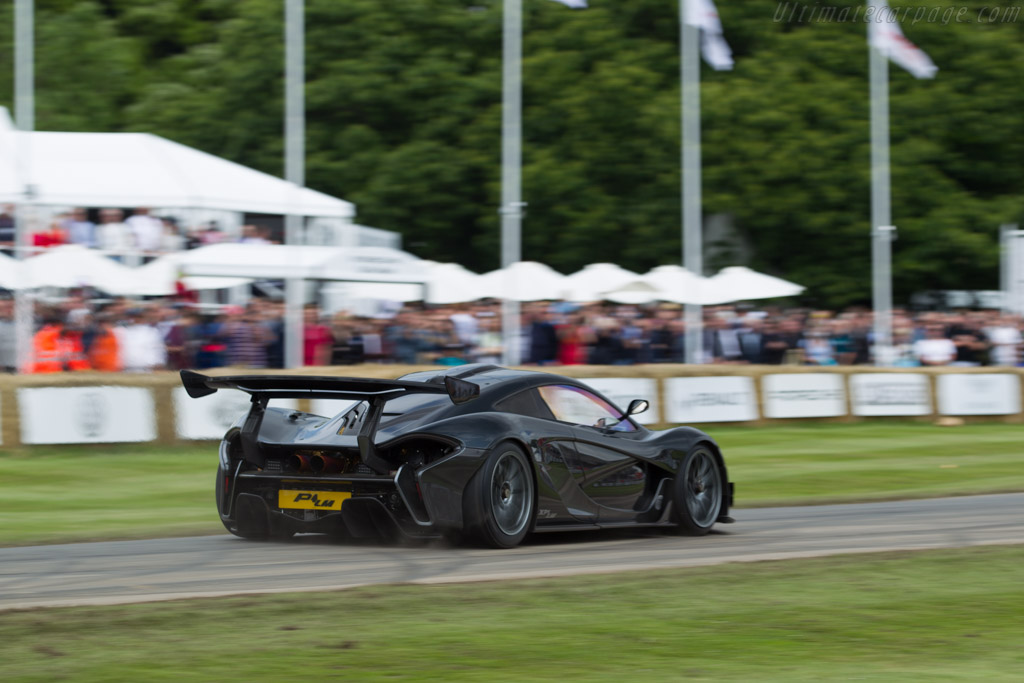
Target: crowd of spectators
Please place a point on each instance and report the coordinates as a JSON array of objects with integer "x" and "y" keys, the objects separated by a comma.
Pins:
[
  {"x": 140, "y": 336},
  {"x": 133, "y": 239},
  {"x": 134, "y": 336}
]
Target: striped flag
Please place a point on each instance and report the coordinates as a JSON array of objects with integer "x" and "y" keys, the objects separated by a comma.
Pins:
[
  {"x": 885, "y": 35},
  {"x": 704, "y": 15}
]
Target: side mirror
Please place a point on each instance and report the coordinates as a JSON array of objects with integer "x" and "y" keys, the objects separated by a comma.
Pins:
[{"x": 637, "y": 406}]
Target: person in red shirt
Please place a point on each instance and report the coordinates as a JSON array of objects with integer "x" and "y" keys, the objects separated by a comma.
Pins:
[{"x": 317, "y": 339}]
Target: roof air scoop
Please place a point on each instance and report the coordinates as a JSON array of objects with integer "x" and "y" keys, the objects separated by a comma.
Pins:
[{"x": 460, "y": 391}]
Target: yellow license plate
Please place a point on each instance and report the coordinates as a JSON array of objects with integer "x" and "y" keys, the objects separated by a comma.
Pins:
[{"x": 311, "y": 500}]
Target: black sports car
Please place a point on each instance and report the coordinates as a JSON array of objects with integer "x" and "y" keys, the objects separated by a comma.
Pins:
[{"x": 475, "y": 451}]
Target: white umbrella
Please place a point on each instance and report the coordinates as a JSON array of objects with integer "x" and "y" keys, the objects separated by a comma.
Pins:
[
  {"x": 636, "y": 292},
  {"x": 523, "y": 281},
  {"x": 72, "y": 265},
  {"x": 590, "y": 283},
  {"x": 738, "y": 283},
  {"x": 450, "y": 283}
]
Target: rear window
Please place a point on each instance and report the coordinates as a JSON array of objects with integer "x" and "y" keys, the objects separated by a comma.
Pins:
[{"x": 526, "y": 403}]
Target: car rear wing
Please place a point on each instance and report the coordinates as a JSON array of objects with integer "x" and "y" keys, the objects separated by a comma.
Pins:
[{"x": 376, "y": 392}]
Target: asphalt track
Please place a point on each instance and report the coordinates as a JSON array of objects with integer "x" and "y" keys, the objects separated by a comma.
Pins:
[{"x": 163, "y": 569}]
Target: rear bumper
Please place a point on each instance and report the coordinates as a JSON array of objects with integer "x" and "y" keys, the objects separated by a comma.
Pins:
[{"x": 377, "y": 506}]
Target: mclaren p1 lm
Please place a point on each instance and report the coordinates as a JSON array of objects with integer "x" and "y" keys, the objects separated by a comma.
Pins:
[{"x": 477, "y": 452}]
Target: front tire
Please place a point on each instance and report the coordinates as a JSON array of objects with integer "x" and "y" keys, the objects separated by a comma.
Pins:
[
  {"x": 699, "y": 492},
  {"x": 500, "y": 499}
]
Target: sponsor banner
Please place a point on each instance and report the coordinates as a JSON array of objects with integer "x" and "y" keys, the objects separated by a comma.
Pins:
[
  {"x": 815, "y": 394},
  {"x": 710, "y": 399},
  {"x": 980, "y": 394},
  {"x": 54, "y": 415},
  {"x": 876, "y": 394},
  {"x": 622, "y": 390},
  {"x": 329, "y": 407},
  {"x": 211, "y": 416}
]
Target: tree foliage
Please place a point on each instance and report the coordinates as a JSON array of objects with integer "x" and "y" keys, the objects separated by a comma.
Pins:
[{"x": 404, "y": 116}]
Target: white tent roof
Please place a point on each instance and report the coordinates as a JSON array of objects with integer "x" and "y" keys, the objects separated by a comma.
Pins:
[
  {"x": 139, "y": 169},
  {"x": 70, "y": 266},
  {"x": 10, "y": 272},
  {"x": 158, "y": 278},
  {"x": 738, "y": 283},
  {"x": 75, "y": 266},
  {"x": 446, "y": 283},
  {"x": 523, "y": 281},
  {"x": 276, "y": 261},
  {"x": 590, "y": 283}
]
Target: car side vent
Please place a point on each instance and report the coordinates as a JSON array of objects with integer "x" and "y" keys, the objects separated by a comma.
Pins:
[{"x": 363, "y": 469}]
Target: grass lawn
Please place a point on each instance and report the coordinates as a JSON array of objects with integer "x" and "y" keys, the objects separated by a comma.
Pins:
[
  {"x": 104, "y": 492},
  {"x": 936, "y": 615}
]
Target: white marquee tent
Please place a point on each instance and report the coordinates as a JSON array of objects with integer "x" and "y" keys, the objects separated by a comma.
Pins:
[
  {"x": 70, "y": 266},
  {"x": 595, "y": 279},
  {"x": 738, "y": 283},
  {"x": 139, "y": 169},
  {"x": 445, "y": 283},
  {"x": 523, "y": 281},
  {"x": 665, "y": 283}
]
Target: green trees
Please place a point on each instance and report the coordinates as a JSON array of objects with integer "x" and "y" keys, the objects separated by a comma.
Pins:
[{"x": 404, "y": 109}]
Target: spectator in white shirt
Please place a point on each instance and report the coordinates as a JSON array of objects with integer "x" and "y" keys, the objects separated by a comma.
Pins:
[
  {"x": 141, "y": 344},
  {"x": 1006, "y": 340},
  {"x": 935, "y": 348},
  {"x": 113, "y": 236},
  {"x": 148, "y": 230}
]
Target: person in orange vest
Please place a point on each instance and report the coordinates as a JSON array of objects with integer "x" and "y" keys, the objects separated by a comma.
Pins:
[
  {"x": 46, "y": 347},
  {"x": 56, "y": 349},
  {"x": 104, "y": 352},
  {"x": 72, "y": 353}
]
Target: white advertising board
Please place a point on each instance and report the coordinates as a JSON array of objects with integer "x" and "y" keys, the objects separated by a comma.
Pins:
[
  {"x": 86, "y": 415},
  {"x": 877, "y": 393},
  {"x": 622, "y": 390},
  {"x": 210, "y": 416},
  {"x": 980, "y": 394},
  {"x": 814, "y": 394},
  {"x": 710, "y": 399}
]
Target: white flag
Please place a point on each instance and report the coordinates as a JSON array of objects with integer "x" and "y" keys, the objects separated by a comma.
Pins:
[
  {"x": 885, "y": 35},
  {"x": 703, "y": 15},
  {"x": 575, "y": 4}
]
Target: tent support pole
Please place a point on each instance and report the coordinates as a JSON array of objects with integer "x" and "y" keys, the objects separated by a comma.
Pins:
[{"x": 295, "y": 167}]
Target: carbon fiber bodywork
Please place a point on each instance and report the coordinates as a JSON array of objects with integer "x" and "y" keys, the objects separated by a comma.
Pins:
[{"x": 402, "y": 459}]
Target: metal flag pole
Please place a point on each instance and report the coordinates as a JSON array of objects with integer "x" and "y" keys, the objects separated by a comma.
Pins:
[
  {"x": 24, "y": 116},
  {"x": 689, "y": 65},
  {"x": 881, "y": 211},
  {"x": 294, "y": 171},
  {"x": 511, "y": 170}
]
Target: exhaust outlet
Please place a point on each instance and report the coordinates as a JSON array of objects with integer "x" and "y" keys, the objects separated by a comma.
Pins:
[
  {"x": 325, "y": 464},
  {"x": 300, "y": 463}
]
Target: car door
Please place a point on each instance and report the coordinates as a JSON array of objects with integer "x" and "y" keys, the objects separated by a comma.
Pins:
[
  {"x": 603, "y": 466},
  {"x": 560, "y": 498}
]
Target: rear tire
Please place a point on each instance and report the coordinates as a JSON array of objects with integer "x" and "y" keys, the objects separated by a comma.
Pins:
[
  {"x": 500, "y": 501},
  {"x": 699, "y": 492}
]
